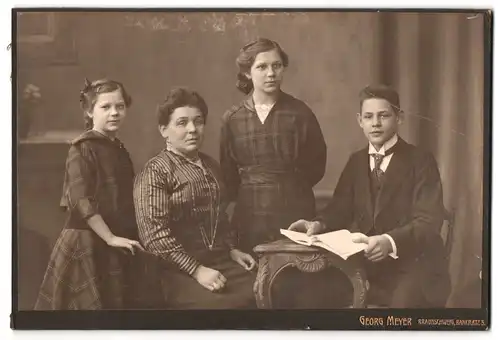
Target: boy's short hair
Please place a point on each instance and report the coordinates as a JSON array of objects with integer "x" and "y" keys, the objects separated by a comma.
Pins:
[{"x": 382, "y": 92}]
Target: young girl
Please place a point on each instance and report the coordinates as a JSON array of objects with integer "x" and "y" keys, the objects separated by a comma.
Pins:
[
  {"x": 88, "y": 268},
  {"x": 272, "y": 148}
]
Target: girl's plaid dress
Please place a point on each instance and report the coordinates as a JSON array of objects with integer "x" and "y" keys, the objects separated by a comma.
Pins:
[{"x": 83, "y": 271}]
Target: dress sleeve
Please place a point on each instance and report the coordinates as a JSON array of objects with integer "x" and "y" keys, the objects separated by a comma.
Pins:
[
  {"x": 153, "y": 219},
  {"x": 229, "y": 167},
  {"x": 81, "y": 181},
  {"x": 312, "y": 162}
]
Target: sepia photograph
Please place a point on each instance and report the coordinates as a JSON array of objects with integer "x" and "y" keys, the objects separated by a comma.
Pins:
[{"x": 269, "y": 169}]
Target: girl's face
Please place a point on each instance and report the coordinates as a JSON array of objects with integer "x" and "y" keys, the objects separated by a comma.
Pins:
[
  {"x": 266, "y": 72},
  {"x": 184, "y": 131},
  {"x": 108, "y": 112}
]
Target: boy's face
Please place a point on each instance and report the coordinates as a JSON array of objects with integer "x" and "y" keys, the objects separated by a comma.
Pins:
[{"x": 379, "y": 120}]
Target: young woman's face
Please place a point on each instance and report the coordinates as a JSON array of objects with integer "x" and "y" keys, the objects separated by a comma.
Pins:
[
  {"x": 185, "y": 130},
  {"x": 108, "y": 112},
  {"x": 267, "y": 71}
]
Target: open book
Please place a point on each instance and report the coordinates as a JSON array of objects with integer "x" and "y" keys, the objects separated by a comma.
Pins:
[{"x": 339, "y": 242}]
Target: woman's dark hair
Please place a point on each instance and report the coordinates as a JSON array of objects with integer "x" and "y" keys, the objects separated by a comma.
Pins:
[
  {"x": 247, "y": 56},
  {"x": 90, "y": 92},
  {"x": 181, "y": 97}
]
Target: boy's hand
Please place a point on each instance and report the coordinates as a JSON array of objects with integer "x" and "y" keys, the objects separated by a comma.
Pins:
[
  {"x": 308, "y": 227},
  {"x": 359, "y": 238},
  {"x": 379, "y": 247}
]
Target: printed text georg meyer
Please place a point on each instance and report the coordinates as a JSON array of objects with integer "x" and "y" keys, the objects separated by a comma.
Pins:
[{"x": 371, "y": 321}]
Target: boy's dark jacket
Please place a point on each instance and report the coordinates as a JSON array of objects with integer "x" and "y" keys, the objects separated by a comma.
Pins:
[{"x": 409, "y": 208}]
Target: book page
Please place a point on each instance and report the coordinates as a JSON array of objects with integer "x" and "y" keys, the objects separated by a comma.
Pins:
[
  {"x": 297, "y": 237},
  {"x": 340, "y": 243}
]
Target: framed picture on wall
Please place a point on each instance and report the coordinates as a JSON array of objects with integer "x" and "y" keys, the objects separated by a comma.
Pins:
[
  {"x": 36, "y": 27},
  {"x": 45, "y": 38}
]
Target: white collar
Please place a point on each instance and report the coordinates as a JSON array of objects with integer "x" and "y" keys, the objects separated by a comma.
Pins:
[
  {"x": 196, "y": 160},
  {"x": 387, "y": 145}
]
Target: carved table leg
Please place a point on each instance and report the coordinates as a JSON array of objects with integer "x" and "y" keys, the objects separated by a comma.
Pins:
[
  {"x": 356, "y": 274},
  {"x": 261, "y": 284},
  {"x": 351, "y": 268},
  {"x": 271, "y": 264}
]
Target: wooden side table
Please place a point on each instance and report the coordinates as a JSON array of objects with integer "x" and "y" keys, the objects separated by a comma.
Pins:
[{"x": 276, "y": 256}]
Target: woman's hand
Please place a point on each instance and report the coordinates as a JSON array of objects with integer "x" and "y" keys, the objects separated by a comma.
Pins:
[
  {"x": 243, "y": 259},
  {"x": 209, "y": 278},
  {"x": 122, "y": 242}
]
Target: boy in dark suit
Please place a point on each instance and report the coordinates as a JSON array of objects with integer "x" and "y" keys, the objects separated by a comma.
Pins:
[{"x": 391, "y": 193}]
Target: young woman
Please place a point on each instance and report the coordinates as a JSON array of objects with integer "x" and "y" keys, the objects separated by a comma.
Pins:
[{"x": 272, "y": 150}]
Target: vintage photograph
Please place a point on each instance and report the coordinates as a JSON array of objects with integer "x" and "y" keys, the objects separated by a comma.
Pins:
[{"x": 255, "y": 161}]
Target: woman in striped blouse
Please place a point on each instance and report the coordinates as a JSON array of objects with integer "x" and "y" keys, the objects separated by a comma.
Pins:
[{"x": 180, "y": 204}]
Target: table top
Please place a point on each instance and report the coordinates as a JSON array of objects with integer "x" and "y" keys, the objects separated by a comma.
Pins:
[{"x": 286, "y": 246}]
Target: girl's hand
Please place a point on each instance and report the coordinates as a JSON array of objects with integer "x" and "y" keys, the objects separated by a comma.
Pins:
[{"x": 122, "y": 242}]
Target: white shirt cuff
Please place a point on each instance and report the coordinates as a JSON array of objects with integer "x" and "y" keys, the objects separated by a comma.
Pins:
[{"x": 394, "y": 253}]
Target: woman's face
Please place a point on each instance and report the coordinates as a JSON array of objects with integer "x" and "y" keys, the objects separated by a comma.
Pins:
[
  {"x": 267, "y": 71},
  {"x": 184, "y": 131}
]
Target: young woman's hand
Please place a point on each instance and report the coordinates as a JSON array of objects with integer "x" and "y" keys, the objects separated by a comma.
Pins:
[
  {"x": 243, "y": 259},
  {"x": 122, "y": 242},
  {"x": 210, "y": 278}
]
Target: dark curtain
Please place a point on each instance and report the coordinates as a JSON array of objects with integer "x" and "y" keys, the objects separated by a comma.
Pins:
[{"x": 436, "y": 61}]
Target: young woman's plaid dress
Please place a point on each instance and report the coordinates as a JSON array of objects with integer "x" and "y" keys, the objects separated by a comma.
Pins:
[
  {"x": 270, "y": 168},
  {"x": 83, "y": 271}
]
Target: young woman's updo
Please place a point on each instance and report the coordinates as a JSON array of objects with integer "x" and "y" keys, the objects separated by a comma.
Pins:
[{"x": 247, "y": 56}]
